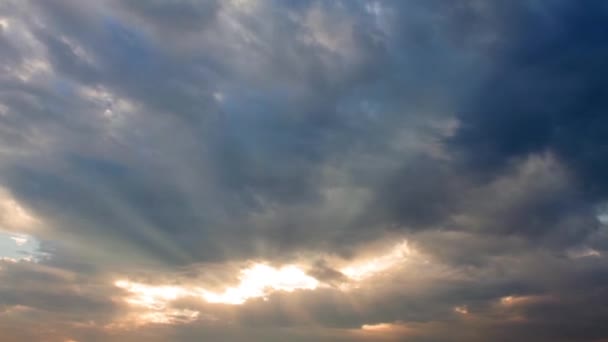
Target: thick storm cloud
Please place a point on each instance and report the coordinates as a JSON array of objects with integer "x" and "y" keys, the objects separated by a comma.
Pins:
[{"x": 184, "y": 170}]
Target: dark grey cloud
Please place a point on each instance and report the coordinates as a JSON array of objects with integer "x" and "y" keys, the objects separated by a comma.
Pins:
[
  {"x": 178, "y": 16},
  {"x": 544, "y": 92}
]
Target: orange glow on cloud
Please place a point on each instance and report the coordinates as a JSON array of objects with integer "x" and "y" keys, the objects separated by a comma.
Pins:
[
  {"x": 385, "y": 330},
  {"x": 463, "y": 310},
  {"x": 367, "y": 268},
  {"x": 257, "y": 281},
  {"x": 378, "y": 327},
  {"x": 13, "y": 215},
  {"x": 521, "y": 300}
]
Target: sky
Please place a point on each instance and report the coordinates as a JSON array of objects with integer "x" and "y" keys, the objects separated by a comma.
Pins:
[{"x": 282, "y": 170}]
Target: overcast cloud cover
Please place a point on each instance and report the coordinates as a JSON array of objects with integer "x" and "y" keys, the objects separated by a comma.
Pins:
[{"x": 259, "y": 170}]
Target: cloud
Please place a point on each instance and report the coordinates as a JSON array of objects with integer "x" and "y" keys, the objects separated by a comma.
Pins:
[
  {"x": 348, "y": 170},
  {"x": 543, "y": 93}
]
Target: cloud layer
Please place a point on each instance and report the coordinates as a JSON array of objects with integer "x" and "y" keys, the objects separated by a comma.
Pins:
[{"x": 303, "y": 170}]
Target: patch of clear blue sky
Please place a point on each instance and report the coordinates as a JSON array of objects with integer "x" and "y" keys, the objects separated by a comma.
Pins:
[{"x": 10, "y": 249}]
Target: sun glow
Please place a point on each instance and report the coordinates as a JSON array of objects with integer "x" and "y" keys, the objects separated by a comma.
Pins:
[
  {"x": 377, "y": 327},
  {"x": 13, "y": 216},
  {"x": 260, "y": 280},
  {"x": 373, "y": 266},
  {"x": 152, "y": 297},
  {"x": 463, "y": 310},
  {"x": 257, "y": 281},
  {"x": 385, "y": 329}
]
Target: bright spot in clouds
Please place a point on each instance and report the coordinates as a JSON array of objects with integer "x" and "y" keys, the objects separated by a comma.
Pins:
[
  {"x": 521, "y": 300},
  {"x": 260, "y": 280},
  {"x": 373, "y": 266},
  {"x": 463, "y": 310},
  {"x": 18, "y": 247},
  {"x": 13, "y": 214},
  {"x": 152, "y": 297},
  {"x": 19, "y": 240},
  {"x": 582, "y": 252},
  {"x": 381, "y": 329},
  {"x": 377, "y": 327},
  {"x": 256, "y": 281},
  {"x": 3, "y": 23}
]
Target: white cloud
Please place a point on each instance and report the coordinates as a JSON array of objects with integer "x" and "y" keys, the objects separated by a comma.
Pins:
[{"x": 19, "y": 240}]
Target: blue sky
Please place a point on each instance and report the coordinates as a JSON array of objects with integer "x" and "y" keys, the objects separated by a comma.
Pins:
[{"x": 14, "y": 246}]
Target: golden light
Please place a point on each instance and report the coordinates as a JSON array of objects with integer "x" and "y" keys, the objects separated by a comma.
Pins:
[
  {"x": 463, "y": 310},
  {"x": 13, "y": 216},
  {"x": 380, "y": 331},
  {"x": 520, "y": 300},
  {"x": 507, "y": 300},
  {"x": 260, "y": 280},
  {"x": 373, "y": 266},
  {"x": 377, "y": 327},
  {"x": 152, "y": 297}
]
